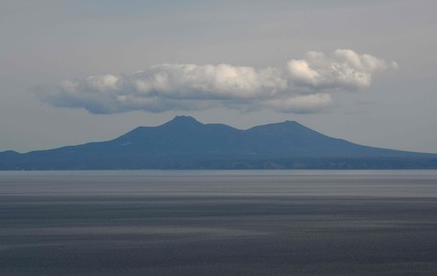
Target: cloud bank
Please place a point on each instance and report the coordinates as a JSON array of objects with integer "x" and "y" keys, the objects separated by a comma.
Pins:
[{"x": 304, "y": 86}]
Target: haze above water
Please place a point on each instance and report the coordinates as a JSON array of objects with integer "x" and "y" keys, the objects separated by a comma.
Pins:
[{"x": 218, "y": 223}]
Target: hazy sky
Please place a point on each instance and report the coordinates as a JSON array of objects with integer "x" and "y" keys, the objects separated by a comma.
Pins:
[{"x": 79, "y": 71}]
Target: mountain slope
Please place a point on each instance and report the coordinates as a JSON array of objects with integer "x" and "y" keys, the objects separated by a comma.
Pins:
[
  {"x": 184, "y": 143},
  {"x": 291, "y": 138}
]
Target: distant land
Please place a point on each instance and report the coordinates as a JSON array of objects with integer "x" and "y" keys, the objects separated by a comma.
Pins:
[{"x": 185, "y": 143}]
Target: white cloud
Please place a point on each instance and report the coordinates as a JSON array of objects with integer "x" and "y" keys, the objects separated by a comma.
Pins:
[
  {"x": 193, "y": 87},
  {"x": 342, "y": 69},
  {"x": 209, "y": 81}
]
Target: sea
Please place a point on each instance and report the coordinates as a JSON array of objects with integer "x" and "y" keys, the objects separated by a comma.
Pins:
[{"x": 218, "y": 223}]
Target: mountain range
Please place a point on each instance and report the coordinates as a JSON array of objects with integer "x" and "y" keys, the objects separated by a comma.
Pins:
[{"x": 185, "y": 143}]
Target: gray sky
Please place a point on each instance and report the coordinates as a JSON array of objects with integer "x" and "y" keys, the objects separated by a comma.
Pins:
[{"x": 79, "y": 71}]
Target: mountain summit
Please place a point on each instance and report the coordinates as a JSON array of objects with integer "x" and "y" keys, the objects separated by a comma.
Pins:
[{"x": 185, "y": 143}]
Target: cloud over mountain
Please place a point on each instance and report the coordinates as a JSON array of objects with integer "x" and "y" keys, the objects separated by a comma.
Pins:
[
  {"x": 343, "y": 69},
  {"x": 303, "y": 86}
]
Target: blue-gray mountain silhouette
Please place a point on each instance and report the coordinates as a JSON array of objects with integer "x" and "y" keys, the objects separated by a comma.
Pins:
[{"x": 185, "y": 143}]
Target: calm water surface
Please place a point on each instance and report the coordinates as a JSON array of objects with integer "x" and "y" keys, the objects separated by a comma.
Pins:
[{"x": 218, "y": 223}]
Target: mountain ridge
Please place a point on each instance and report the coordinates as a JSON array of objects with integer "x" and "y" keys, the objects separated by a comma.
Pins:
[{"x": 185, "y": 143}]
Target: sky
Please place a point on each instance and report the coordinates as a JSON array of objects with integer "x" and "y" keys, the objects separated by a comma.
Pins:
[{"x": 73, "y": 72}]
